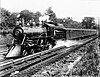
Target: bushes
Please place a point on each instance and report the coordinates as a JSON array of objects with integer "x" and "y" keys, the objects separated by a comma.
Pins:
[
  {"x": 88, "y": 66},
  {"x": 6, "y": 39}
]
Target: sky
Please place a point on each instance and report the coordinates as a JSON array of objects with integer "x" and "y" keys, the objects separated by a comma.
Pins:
[{"x": 77, "y": 9}]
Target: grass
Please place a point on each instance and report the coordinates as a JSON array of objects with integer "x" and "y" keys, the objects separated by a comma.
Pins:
[{"x": 5, "y": 39}]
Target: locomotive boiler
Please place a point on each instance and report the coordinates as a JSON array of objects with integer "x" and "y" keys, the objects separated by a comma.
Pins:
[{"x": 31, "y": 40}]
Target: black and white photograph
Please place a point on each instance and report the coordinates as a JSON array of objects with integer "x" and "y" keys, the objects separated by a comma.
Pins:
[{"x": 49, "y": 38}]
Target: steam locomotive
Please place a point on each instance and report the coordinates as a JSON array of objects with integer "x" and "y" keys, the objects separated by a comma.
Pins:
[{"x": 32, "y": 40}]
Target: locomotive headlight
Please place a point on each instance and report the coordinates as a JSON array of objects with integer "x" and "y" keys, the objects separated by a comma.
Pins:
[{"x": 18, "y": 33}]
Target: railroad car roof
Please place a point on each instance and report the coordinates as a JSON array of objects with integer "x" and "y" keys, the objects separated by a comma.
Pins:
[
  {"x": 60, "y": 26},
  {"x": 50, "y": 25},
  {"x": 55, "y": 26},
  {"x": 80, "y": 29}
]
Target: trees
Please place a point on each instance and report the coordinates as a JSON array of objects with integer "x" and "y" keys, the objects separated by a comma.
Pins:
[
  {"x": 59, "y": 20},
  {"x": 52, "y": 15},
  {"x": 13, "y": 19},
  {"x": 26, "y": 15},
  {"x": 4, "y": 15},
  {"x": 36, "y": 16},
  {"x": 76, "y": 24},
  {"x": 88, "y": 22},
  {"x": 8, "y": 19},
  {"x": 68, "y": 21}
]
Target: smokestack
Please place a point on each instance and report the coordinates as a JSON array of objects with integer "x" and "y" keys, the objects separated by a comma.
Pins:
[
  {"x": 98, "y": 34},
  {"x": 44, "y": 18}
]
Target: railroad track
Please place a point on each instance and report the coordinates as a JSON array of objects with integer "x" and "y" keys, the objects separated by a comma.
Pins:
[
  {"x": 63, "y": 66},
  {"x": 37, "y": 60}
]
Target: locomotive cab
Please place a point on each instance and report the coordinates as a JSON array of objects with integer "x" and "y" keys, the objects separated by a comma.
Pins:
[{"x": 50, "y": 29}]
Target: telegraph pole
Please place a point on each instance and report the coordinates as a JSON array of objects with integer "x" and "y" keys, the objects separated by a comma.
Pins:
[{"x": 98, "y": 35}]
